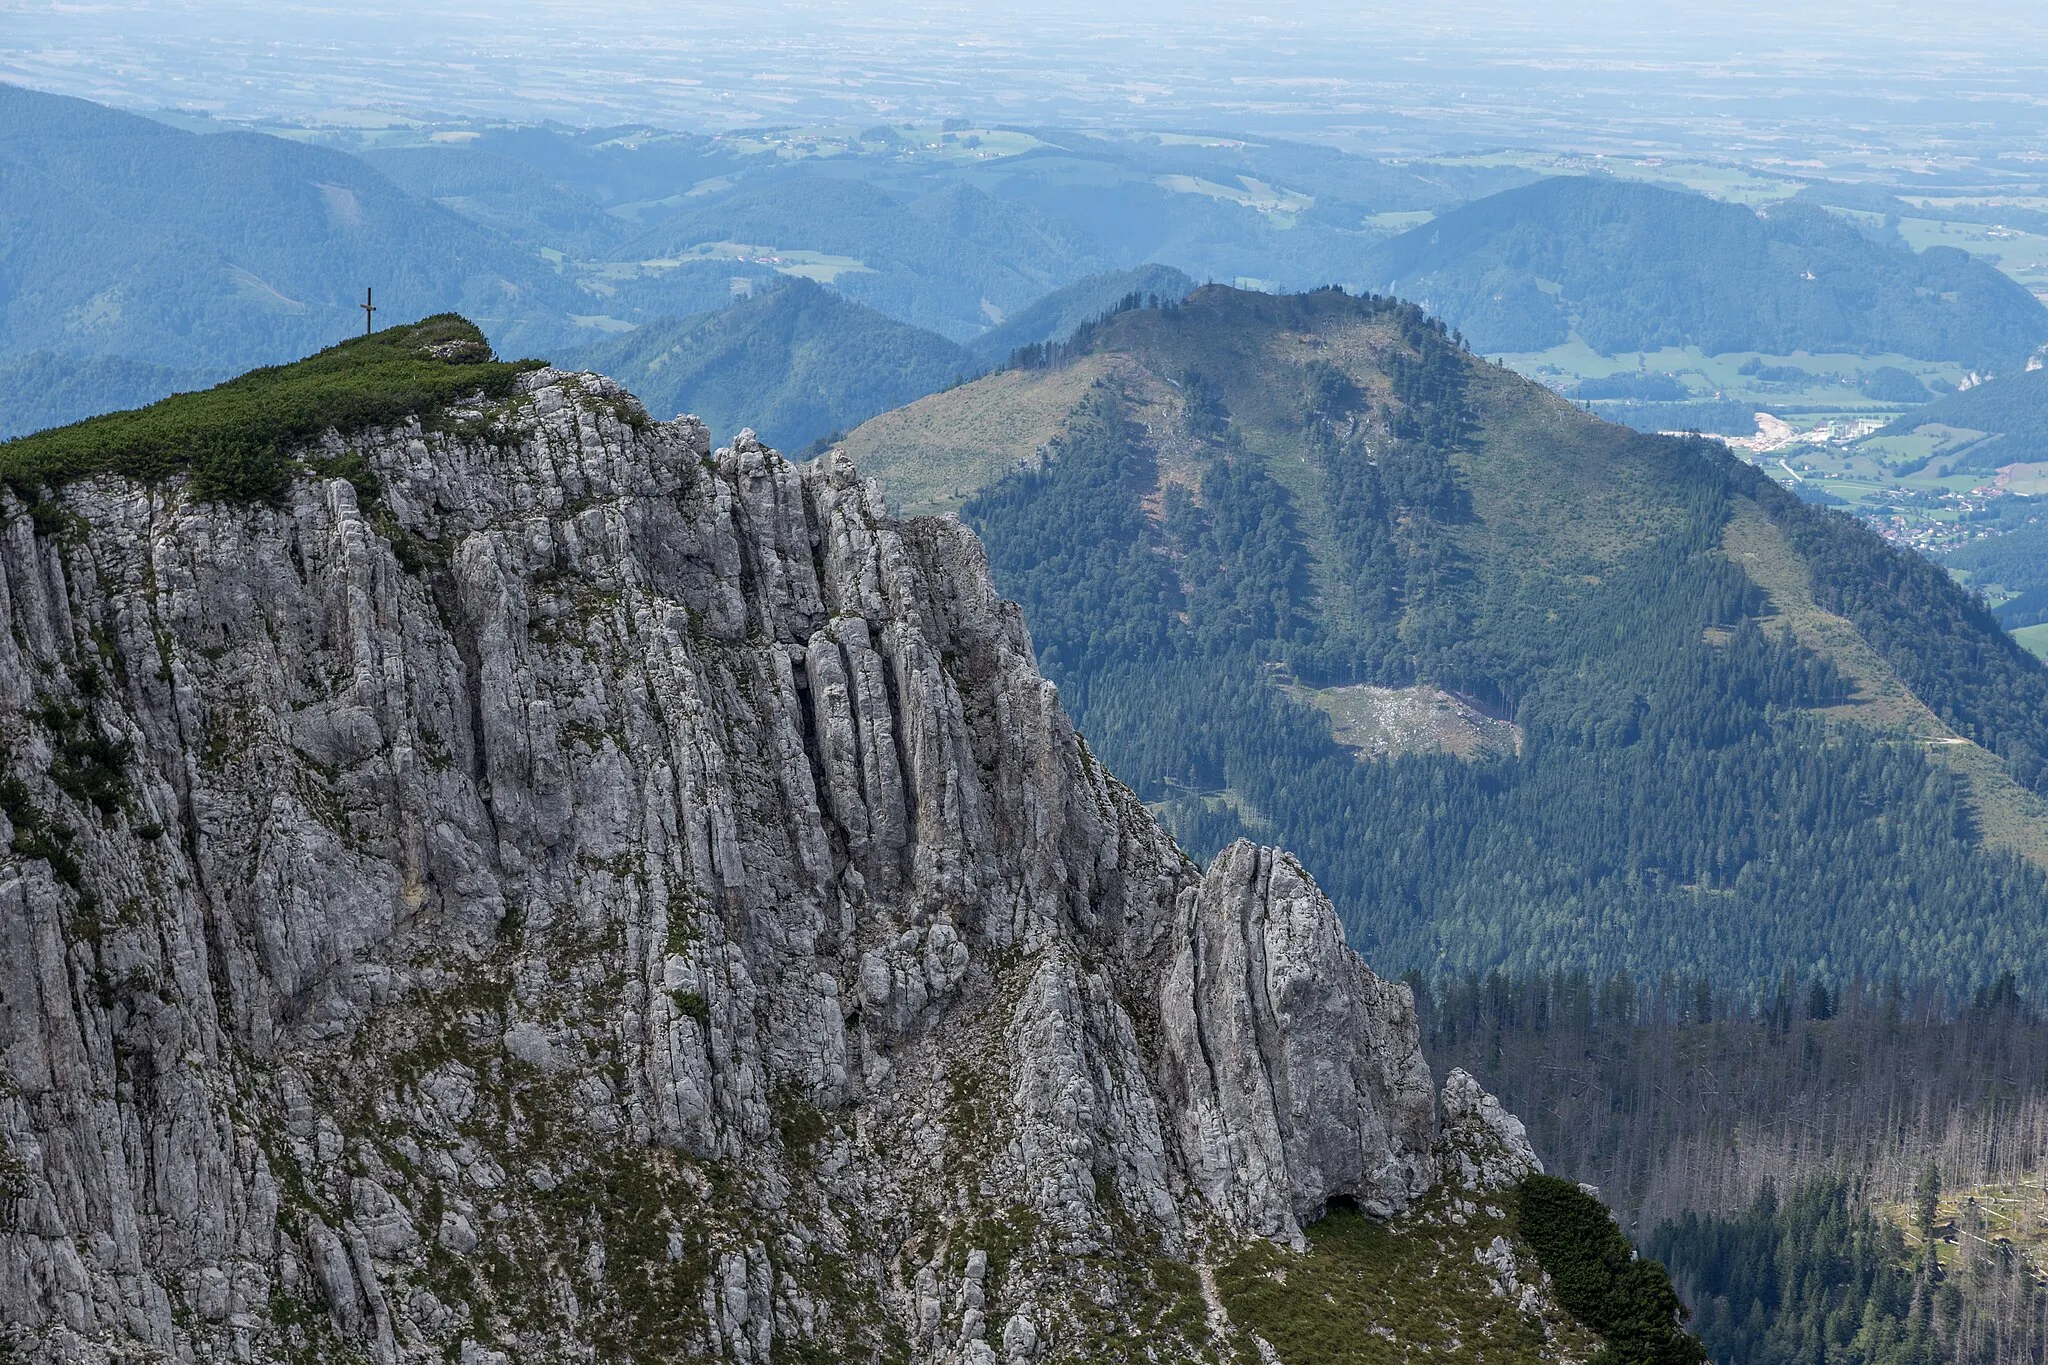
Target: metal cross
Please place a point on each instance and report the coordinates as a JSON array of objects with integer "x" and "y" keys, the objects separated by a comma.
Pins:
[{"x": 369, "y": 309}]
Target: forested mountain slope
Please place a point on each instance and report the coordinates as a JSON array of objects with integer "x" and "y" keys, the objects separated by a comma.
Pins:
[
  {"x": 126, "y": 237},
  {"x": 2009, "y": 412},
  {"x": 1297, "y": 562},
  {"x": 1793, "y": 1153},
  {"x": 504, "y": 193},
  {"x": 42, "y": 389},
  {"x": 1632, "y": 267},
  {"x": 796, "y": 362}
]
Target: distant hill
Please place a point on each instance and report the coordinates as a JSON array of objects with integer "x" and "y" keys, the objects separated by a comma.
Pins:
[
  {"x": 1219, "y": 207},
  {"x": 127, "y": 237},
  {"x": 950, "y": 261},
  {"x": 44, "y": 390},
  {"x": 1054, "y": 317},
  {"x": 511, "y": 196},
  {"x": 637, "y": 173},
  {"x": 1517, "y": 681},
  {"x": 1230, "y": 208},
  {"x": 1874, "y": 199},
  {"x": 2011, "y": 411},
  {"x": 796, "y": 363},
  {"x": 209, "y": 252},
  {"x": 1631, "y": 267}
]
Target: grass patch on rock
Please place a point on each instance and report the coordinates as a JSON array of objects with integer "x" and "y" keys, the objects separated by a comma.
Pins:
[
  {"x": 1372, "y": 1292},
  {"x": 237, "y": 439}
]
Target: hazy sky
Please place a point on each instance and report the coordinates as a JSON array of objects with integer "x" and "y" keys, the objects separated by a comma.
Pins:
[{"x": 1728, "y": 75}]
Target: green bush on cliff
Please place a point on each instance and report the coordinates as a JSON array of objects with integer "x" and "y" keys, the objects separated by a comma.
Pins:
[
  {"x": 1599, "y": 1279},
  {"x": 236, "y": 439}
]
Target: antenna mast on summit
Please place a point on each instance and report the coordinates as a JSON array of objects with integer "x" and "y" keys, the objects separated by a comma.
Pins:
[{"x": 369, "y": 309}]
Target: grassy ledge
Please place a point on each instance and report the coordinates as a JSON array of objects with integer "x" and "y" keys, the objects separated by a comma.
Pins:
[
  {"x": 236, "y": 439},
  {"x": 1371, "y": 1292}
]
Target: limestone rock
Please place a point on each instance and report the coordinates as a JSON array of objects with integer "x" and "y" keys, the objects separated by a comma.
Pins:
[
  {"x": 610, "y": 890},
  {"x": 1485, "y": 1148},
  {"x": 1297, "y": 1075}
]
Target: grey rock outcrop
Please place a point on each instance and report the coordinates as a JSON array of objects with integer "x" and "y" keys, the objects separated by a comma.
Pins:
[
  {"x": 1296, "y": 1073},
  {"x": 1485, "y": 1148},
  {"x": 610, "y": 896}
]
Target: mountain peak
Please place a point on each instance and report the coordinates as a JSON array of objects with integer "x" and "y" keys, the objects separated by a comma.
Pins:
[
  {"x": 566, "y": 888},
  {"x": 239, "y": 437}
]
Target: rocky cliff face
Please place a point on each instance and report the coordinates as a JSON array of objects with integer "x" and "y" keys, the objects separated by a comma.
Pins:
[{"x": 578, "y": 895}]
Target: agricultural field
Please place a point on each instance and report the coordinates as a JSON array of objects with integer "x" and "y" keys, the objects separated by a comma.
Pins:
[
  {"x": 810, "y": 265},
  {"x": 953, "y": 140},
  {"x": 1250, "y": 192},
  {"x": 2033, "y": 639},
  {"x": 1395, "y": 222},
  {"x": 1826, "y": 385},
  {"x": 1925, "y": 445}
]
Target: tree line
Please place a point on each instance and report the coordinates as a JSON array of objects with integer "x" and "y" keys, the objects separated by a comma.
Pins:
[{"x": 1760, "y": 1140}]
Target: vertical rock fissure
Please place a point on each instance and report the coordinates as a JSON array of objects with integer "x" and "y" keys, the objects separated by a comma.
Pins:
[
  {"x": 863, "y": 742},
  {"x": 906, "y": 770},
  {"x": 1198, "y": 949},
  {"x": 1272, "y": 1052}
]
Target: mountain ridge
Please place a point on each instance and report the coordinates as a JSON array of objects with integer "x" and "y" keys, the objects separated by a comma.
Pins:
[
  {"x": 598, "y": 893},
  {"x": 1634, "y": 267},
  {"x": 1001, "y": 256},
  {"x": 796, "y": 361},
  {"x": 47, "y": 390},
  {"x": 1055, "y": 317},
  {"x": 221, "y": 250}
]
